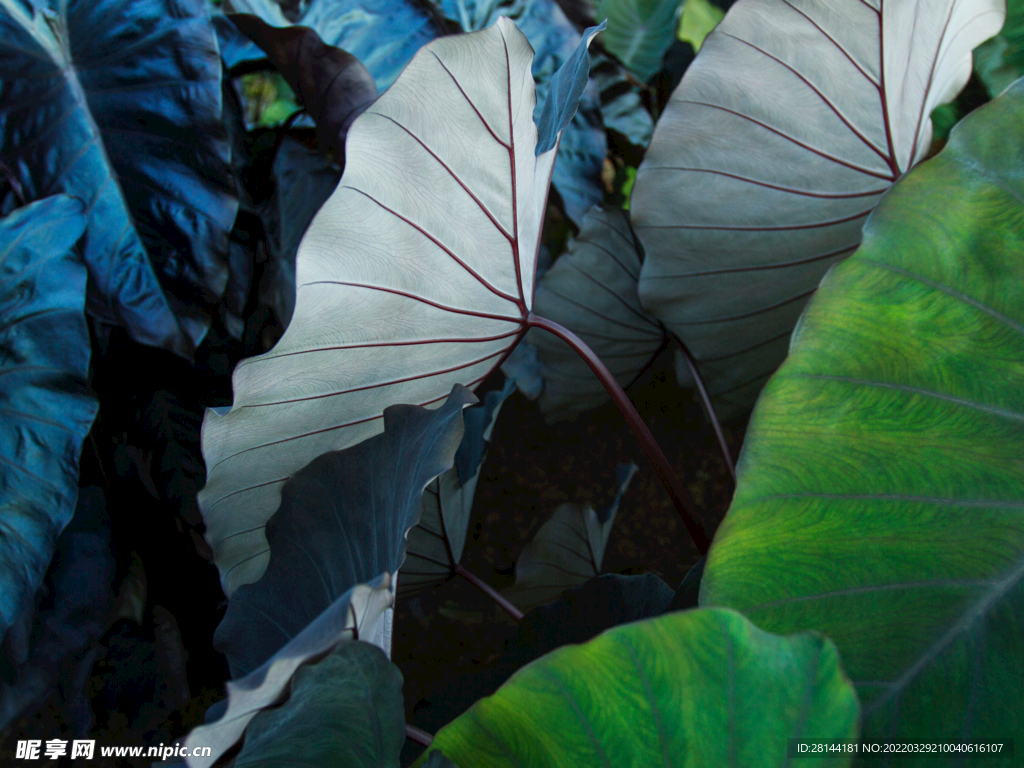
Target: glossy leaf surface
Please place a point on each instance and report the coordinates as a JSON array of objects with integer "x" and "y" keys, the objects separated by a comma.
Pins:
[
  {"x": 592, "y": 291},
  {"x": 383, "y": 34},
  {"x": 879, "y": 498},
  {"x": 783, "y": 134},
  {"x": 343, "y": 519},
  {"x": 462, "y": 199},
  {"x": 118, "y": 103},
  {"x": 45, "y": 406},
  {"x": 693, "y": 688}
]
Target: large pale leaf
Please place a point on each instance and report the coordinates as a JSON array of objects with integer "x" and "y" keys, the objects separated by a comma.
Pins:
[
  {"x": 591, "y": 290},
  {"x": 343, "y": 519},
  {"x": 358, "y": 614},
  {"x": 416, "y": 274},
  {"x": 796, "y": 116},
  {"x": 639, "y": 32},
  {"x": 345, "y": 710},
  {"x": 436, "y": 543},
  {"x": 46, "y": 409},
  {"x": 567, "y": 550},
  {"x": 583, "y": 146},
  {"x": 119, "y": 103},
  {"x": 879, "y": 497},
  {"x": 693, "y": 688}
]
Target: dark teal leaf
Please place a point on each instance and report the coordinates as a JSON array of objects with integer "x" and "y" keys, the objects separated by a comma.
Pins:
[
  {"x": 45, "y": 409},
  {"x": 345, "y": 710},
  {"x": 436, "y": 542},
  {"x": 383, "y": 34},
  {"x": 303, "y": 180},
  {"x": 74, "y": 608},
  {"x": 119, "y": 103},
  {"x": 564, "y": 92},
  {"x": 359, "y": 613},
  {"x": 343, "y": 519}
]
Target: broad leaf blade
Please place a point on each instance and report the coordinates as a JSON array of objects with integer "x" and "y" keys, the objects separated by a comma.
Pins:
[
  {"x": 343, "y": 518},
  {"x": 567, "y": 550},
  {"x": 779, "y": 141},
  {"x": 358, "y": 614},
  {"x": 639, "y": 32},
  {"x": 592, "y": 291},
  {"x": 579, "y": 614},
  {"x": 344, "y": 710},
  {"x": 368, "y": 331},
  {"x": 332, "y": 84},
  {"x": 383, "y": 34},
  {"x": 47, "y": 411},
  {"x": 303, "y": 180},
  {"x": 879, "y": 496},
  {"x": 435, "y": 545},
  {"x": 1000, "y": 61},
  {"x": 119, "y": 104},
  {"x": 693, "y": 688},
  {"x": 559, "y": 52}
]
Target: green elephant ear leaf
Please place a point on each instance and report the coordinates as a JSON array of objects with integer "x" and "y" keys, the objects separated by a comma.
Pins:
[
  {"x": 592, "y": 291},
  {"x": 343, "y": 519},
  {"x": 45, "y": 406},
  {"x": 693, "y": 688},
  {"x": 122, "y": 101},
  {"x": 346, "y": 709},
  {"x": 770, "y": 155},
  {"x": 1000, "y": 61},
  {"x": 879, "y": 498},
  {"x": 360, "y": 613},
  {"x": 567, "y": 551},
  {"x": 440, "y": 170},
  {"x": 639, "y": 32},
  {"x": 435, "y": 545},
  {"x": 579, "y": 614}
]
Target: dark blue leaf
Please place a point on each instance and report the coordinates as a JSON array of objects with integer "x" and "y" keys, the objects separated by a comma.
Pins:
[
  {"x": 45, "y": 409},
  {"x": 564, "y": 92},
  {"x": 383, "y": 34},
  {"x": 343, "y": 519},
  {"x": 74, "y": 611},
  {"x": 119, "y": 103}
]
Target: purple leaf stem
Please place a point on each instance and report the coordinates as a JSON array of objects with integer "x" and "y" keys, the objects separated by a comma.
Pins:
[{"x": 680, "y": 498}]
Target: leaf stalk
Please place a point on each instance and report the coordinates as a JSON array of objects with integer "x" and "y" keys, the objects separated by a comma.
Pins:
[
  {"x": 709, "y": 409},
  {"x": 490, "y": 591},
  {"x": 418, "y": 736},
  {"x": 680, "y": 498}
]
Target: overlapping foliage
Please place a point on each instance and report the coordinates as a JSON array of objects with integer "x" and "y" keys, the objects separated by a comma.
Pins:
[{"x": 867, "y": 578}]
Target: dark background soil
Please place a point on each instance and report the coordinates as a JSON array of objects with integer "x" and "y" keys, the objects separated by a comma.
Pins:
[{"x": 455, "y": 630}]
